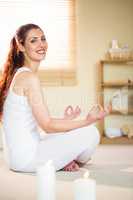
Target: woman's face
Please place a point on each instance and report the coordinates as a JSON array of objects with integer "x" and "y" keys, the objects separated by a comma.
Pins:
[{"x": 35, "y": 46}]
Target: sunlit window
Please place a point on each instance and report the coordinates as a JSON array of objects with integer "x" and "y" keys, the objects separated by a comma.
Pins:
[{"x": 55, "y": 17}]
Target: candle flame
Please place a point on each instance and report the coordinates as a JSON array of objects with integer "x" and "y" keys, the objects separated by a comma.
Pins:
[{"x": 86, "y": 174}]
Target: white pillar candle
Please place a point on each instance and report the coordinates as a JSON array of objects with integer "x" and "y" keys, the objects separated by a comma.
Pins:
[
  {"x": 85, "y": 188},
  {"x": 46, "y": 182}
]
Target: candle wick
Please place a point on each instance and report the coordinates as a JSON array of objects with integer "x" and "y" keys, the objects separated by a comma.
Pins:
[
  {"x": 50, "y": 162},
  {"x": 86, "y": 174}
]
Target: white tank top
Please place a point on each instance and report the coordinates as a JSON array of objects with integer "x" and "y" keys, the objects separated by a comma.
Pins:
[{"x": 20, "y": 128}]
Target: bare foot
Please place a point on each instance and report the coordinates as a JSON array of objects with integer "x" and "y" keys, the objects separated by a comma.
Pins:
[{"x": 71, "y": 167}]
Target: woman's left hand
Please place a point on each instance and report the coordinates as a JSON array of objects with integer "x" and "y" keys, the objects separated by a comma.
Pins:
[
  {"x": 98, "y": 112},
  {"x": 104, "y": 112},
  {"x": 71, "y": 113}
]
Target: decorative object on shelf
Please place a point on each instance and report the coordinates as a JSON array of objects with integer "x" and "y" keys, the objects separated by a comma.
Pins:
[
  {"x": 127, "y": 130},
  {"x": 119, "y": 100},
  {"x": 126, "y": 53},
  {"x": 122, "y": 99},
  {"x": 46, "y": 182},
  {"x": 114, "y": 51},
  {"x": 85, "y": 188},
  {"x": 119, "y": 53},
  {"x": 113, "y": 132},
  {"x": 115, "y": 44}
]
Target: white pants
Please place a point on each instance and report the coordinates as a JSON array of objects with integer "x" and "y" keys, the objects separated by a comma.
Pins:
[{"x": 62, "y": 148}]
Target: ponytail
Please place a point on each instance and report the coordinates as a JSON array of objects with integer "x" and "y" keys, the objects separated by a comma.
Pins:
[{"x": 15, "y": 60}]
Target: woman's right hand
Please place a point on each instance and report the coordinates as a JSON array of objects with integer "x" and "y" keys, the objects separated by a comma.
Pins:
[{"x": 71, "y": 113}]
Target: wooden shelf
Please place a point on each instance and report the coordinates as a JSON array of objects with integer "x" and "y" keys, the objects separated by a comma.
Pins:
[
  {"x": 117, "y": 84},
  {"x": 129, "y": 112},
  {"x": 117, "y": 61},
  {"x": 117, "y": 140}
]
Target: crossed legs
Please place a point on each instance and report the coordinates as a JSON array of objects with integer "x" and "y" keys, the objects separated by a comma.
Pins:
[{"x": 68, "y": 149}]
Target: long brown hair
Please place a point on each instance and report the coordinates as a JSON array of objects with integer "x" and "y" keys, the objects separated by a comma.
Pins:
[{"x": 15, "y": 60}]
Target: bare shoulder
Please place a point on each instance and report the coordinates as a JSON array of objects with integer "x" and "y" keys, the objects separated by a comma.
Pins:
[
  {"x": 28, "y": 78},
  {"x": 26, "y": 82},
  {"x": 31, "y": 78},
  {"x": 32, "y": 84}
]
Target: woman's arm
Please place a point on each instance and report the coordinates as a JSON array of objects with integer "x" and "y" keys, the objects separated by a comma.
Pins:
[
  {"x": 62, "y": 125},
  {"x": 41, "y": 112}
]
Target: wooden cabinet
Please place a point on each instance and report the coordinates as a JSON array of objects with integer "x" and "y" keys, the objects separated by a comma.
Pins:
[{"x": 113, "y": 75}]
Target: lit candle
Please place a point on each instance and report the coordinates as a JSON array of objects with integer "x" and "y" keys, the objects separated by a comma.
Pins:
[
  {"x": 46, "y": 182},
  {"x": 85, "y": 188}
]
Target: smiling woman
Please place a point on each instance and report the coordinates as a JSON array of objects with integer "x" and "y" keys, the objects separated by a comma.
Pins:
[
  {"x": 57, "y": 18},
  {"x": 23, "y": 110}
]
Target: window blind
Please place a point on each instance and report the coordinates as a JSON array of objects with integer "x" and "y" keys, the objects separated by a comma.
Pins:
[{"x": 57, "y": 19}]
